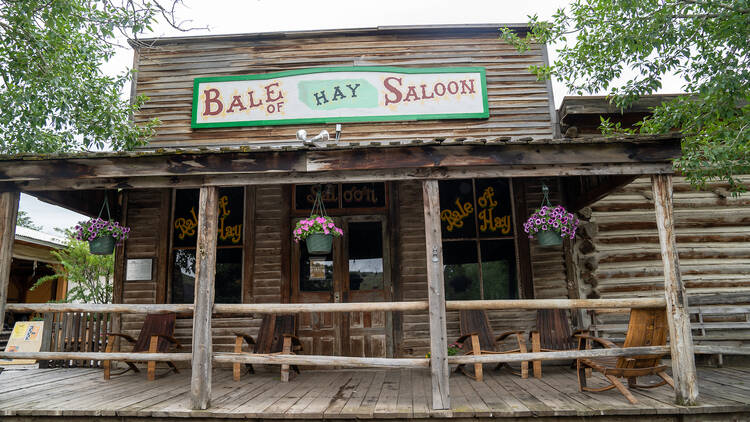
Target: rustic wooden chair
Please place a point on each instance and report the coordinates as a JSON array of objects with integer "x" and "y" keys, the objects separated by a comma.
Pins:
[
  {"x": 553, "y": 334},
  {"x": 476, "y": 330},
  {"x": 276, "y": 336},
  {"x": 647, "y": 327},
  {"x": 156, "y": 336}
]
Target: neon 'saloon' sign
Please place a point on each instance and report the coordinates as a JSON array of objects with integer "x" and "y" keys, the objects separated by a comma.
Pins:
[{"x": 340, "y": 94}]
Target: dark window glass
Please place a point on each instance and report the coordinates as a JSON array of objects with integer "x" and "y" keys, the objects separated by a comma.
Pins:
[
  {"x": 499, "y": 269},
  {"x": 365, "y": 255},
  {"x": 228, "y": 284},
  {"x": 494, "y": 208},
  {"x": 477, "y": 215},
  {"x": 363, "y": 195},
  {"x": 316, "y": 273},
  {"x": 304, "y": 196},
  {"x": 231, "y": 204},
  {"x": 457, "y": 209},
  {"x": 461, "y": 271}
]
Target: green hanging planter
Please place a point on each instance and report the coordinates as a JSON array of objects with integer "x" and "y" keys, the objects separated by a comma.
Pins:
[
  {"x": 102, "y": 245},
  {"x": 319, "y": 244},
  {"x": 549, "y": 238}
]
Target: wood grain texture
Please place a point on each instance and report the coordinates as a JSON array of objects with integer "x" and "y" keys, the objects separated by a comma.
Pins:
[
  {"x": 519, "y": 104},
  {"x": 681, "y": 338},
  {"x": 436, "y": 295},
  {"x": 8, "y": 213},
  {"x": 205, "y": 274}
]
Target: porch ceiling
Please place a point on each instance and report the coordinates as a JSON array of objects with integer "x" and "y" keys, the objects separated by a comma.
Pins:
[{"x": 373, "y": 161}]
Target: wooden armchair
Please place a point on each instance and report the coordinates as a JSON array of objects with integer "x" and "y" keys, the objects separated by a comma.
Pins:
[
  {"x": 553, "y": 333},
  {"x": 647, "y": 327},
  {"x": 476, "y": 329},
  {"x": 156, "y": 336},
  {"x": 276, "y": 336}
]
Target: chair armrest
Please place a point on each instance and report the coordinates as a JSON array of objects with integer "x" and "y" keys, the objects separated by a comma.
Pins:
[
  {"x": 170, "y": 339},
  {"x": 465, "y": 336},
  {"x": 506, "y": 334},
  {"x": 576, "y": 332},
  {"x": 295, "y": 340},
  {"x": 248, "y": 338},
  {"x": 606, "y": 343},
  {"x": 125, "y": 336}
]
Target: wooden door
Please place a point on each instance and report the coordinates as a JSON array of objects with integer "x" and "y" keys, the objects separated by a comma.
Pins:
[
  {"x": 319, "y": 332},
  {"x": 357, "y": 270},
  {"x": 366, "y": 279}
]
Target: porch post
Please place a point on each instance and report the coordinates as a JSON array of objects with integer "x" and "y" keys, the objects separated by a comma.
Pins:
[
  {"x": 8, "y": 214},
  {"x": 205, "y": 272},
  {"x": 681, "y": 339},
  {"x": 436, "y": 295}
]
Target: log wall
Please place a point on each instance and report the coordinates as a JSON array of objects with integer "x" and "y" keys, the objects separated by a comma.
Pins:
[
  {"x": 519, "y": 104},
  {"x": 618, "y": 252}
]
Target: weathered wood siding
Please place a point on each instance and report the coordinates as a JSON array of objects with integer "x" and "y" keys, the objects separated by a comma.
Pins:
[
  {"x": 618, "y": 251},
  {"x": 519, "y": 104}
]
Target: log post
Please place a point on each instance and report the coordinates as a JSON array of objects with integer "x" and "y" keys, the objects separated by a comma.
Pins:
[
  {"x": 205, "y": 273},
  {"x": 8, "y": 214},
  {"x": 681, "y": 339},
  {"x": 436, "y": 295}
]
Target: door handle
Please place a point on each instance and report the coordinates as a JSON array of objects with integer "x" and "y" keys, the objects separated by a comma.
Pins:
[{"x": 336, "y": 297}]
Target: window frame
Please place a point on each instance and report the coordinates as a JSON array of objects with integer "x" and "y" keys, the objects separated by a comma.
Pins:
[{"x": 477, "y": 239}]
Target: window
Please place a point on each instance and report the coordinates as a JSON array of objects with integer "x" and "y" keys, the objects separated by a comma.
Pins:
[
  {"x": 479, "y": 260},
  {"x": 228, "y": 283}
]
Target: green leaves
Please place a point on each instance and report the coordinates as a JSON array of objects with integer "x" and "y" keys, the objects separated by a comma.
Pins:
[
  {"x": 706, "y": 43},
  {"x": 53, "y": 95}
]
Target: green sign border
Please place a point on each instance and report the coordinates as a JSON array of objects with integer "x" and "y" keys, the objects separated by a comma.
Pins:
[{"x": 384, "y": 118}]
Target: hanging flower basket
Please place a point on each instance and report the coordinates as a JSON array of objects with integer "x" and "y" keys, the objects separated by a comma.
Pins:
[
  {"x": 317, "y": 231},
  {"x": 101, "y": 234},
  {"x": 551, "y": 224}
]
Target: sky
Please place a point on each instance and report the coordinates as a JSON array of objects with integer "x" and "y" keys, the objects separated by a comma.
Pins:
[{"x": 251, "y": 16}]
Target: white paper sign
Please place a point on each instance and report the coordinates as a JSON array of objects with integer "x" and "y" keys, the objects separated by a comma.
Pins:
[{"x": 138, "y": 269}]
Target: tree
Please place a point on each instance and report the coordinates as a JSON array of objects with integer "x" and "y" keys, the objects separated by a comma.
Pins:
[
  {"x": 24, "y": 220},
  {"x": 89, "y": 276},
  {"x": 705, "y": 42},
  {"x": 53, "y": 95}
]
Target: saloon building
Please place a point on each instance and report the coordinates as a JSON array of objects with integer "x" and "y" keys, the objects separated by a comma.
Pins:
[{"x": 439, "y": 146}]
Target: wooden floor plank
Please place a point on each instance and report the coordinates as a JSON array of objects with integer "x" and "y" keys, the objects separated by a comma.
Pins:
[{"x": 354, "y": 394}]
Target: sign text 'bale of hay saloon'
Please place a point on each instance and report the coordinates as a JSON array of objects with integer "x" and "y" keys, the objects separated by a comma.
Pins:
[{"x": 340, "y": 94}]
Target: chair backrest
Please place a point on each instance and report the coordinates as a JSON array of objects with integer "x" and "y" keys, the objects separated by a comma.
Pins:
[
  {"x": 272, "y": 330},
  {"x": 476, "y": 321},
  {"x": 155, "y": 324},
  {"x": 554, "y": 329},
  {"x": 647, "y": 327}
]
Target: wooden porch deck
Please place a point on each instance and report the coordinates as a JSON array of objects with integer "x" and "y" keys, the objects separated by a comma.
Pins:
[{"x": 82, "y": 394}]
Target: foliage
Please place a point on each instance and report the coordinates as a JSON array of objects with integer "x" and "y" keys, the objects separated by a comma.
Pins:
[
  {"x": 705, "y": 42},
  {"x": 557, "y": 219},
  {"x": 24, "y": 220},
  {"x": 452, "y": 350},
  {"x": 98, "y": 227},
  {"x": 53, "y": 95},
  {"x": 315, "y": 224},
  {"x": 89, "y": 276}
]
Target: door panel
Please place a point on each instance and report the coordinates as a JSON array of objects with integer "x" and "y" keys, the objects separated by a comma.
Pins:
[{"x": 357, "y": 270}]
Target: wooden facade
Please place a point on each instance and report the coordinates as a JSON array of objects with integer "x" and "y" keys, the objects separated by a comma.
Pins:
[{"x": 212, "y": 211}]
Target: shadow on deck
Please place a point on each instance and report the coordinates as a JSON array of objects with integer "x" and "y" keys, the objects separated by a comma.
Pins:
[{"x": 82, "y": 394}]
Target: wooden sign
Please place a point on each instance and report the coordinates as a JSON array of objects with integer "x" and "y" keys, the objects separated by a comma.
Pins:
[
  {"x": 340, "y": 94},
  {"x": 25, "y": 337}
]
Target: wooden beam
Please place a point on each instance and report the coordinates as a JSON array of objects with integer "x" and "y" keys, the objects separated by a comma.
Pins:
[
  {"x": 681, "y": 339},
  {"x": 566, "y": 354},
  {"x": 320, "y": 360},
  {"x": 297, "y": 308},
  {"x": 102, "y": 308},
  {"x": 197, "y": 179},
  {"x": 205, "y": 274},
  {"x": 523, "y": 248},
  {"x": 8, "y": 214},
  {"x": 645, "y": 302},
  {"x": 158, "y": 357},
  {"x": 436, "y": 295}
]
